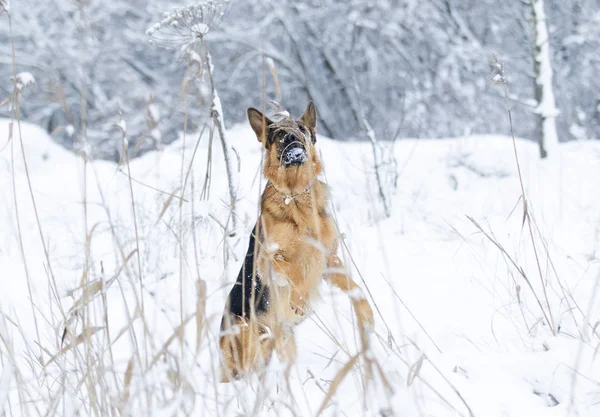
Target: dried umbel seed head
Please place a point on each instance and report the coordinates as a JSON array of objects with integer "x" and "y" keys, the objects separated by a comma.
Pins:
[{"x": 185, "y": 25}]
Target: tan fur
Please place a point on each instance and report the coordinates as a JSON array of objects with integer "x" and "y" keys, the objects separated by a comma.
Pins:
[{"x": 297, "y": 250}]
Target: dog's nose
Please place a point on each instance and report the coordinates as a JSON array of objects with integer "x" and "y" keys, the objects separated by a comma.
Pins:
[
  {"x": 294, "y": 152},
  {"x": 295, "y": 156}
]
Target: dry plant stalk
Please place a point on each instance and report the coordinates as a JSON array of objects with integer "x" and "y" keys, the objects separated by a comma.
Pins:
[
  {"x": 516, "y": 266},
  {"x": 499, "y": 78}
]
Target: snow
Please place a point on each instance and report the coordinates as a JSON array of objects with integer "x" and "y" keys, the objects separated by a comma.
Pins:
[
  {"x": 456, "y": 316},
  {"x": 272, "y": 247},
  {"x": 295, "y": 154},
  {"x": 357, "y": 294},
  {"x": 122, "y": 125},
  {"x": 200, "y": 28},
  {"x": 154, "y": 112},
  {"x": 6, "y": 376},
  {"x": 156, "y": 134},
  {"x": 24, "y": 79}
]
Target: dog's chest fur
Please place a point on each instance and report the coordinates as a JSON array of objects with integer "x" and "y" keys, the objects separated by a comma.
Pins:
[{"x": 300, "y": 234}]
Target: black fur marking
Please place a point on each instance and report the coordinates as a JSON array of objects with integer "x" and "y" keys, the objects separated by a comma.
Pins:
[{"x": 242, "y": 294}]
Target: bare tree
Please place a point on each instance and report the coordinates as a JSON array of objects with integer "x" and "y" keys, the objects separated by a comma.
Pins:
[{"x": 546, "y": 109}]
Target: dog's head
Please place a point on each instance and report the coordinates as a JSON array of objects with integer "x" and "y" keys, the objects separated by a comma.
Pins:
[{"x": 291, "y": 160}]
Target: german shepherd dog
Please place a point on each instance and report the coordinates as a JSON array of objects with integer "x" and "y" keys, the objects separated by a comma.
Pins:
[{"x": 292, "y": 248}]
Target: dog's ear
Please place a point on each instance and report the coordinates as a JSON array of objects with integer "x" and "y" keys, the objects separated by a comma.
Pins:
[
  {"x": 309, "y": 118},
  {"x": 259, "y": 122}
]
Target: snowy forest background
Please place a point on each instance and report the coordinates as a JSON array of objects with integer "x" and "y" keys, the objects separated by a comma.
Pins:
[{"x": 416, "y": 68}]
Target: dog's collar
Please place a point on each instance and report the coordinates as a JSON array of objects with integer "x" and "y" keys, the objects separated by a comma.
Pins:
[{"x": 288, "y": 198}]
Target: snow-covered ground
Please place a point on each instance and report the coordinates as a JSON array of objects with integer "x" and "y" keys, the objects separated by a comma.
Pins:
[{"x": 459, "y": 331}]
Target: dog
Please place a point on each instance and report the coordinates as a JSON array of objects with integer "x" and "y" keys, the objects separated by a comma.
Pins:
[{"x": 292, "y": 248}]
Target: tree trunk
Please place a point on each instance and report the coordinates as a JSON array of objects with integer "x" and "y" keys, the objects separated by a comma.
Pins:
[{"x": 544, "y": 92}]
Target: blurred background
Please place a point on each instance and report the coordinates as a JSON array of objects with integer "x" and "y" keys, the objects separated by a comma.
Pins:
[{"x": 413, "y": 68}]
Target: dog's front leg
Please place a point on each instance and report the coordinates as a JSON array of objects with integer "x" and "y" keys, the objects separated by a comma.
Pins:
[
  {"x": 288, "y": 277},
  {"x": 336, "y": 275},
  {"x": 286, "y": 300}
]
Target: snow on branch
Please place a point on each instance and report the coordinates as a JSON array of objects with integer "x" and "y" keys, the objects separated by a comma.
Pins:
[
  {"x": 4, "y": 6},
  {"x": 24, "y": 80}
]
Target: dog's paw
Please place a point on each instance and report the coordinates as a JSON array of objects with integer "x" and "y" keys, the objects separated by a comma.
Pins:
[
  {"x": 301, "y": 312},
  {"x": 299, "y": 305}
]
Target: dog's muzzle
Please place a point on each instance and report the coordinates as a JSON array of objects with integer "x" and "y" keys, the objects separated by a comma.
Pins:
[
  {"x": 294, "y": 152},
  {"x": 295, "y": 156}
]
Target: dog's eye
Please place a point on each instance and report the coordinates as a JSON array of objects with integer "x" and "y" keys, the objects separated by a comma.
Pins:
[
  {"x": 289, "y": 138},
  {"x": 307, "y": 134}
]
